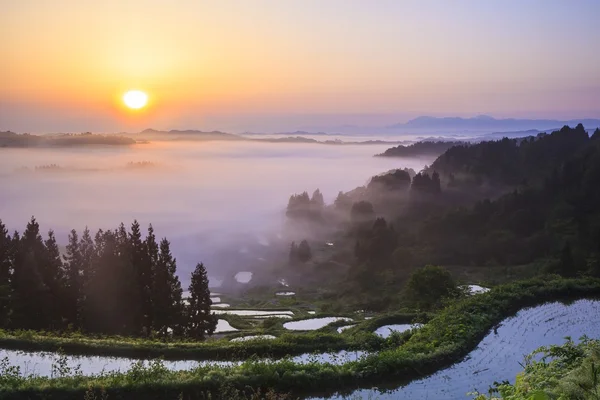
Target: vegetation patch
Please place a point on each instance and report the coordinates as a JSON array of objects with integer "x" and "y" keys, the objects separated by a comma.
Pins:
[{"x": 447, "y": 337}]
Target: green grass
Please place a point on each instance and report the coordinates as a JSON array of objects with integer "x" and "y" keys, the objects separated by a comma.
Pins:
[
  {"x": 446, "y": 338},
  {"x": 569, "y": 371}
]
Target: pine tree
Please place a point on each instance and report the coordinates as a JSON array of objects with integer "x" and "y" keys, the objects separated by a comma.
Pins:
[
  {"x": 567, "y": 265},
  {"x": 143, "y": 278},
  {"x": 167, "y": 293},
  {"x": 29, "y": 293},
  {"x": 152, "y": 255},
  {"x": 5, "y": 272},
  {"x": 293, "y": 256},
  {"x": 127, "y": 281},
  {"x": 201, "y": 321},
  {"x": 304, "y": 252},
  {"x": 88, "y": 252},
  {"x": 53, "y": 277},
  {"x": 73, "y": 277},
  {"x": 317, "y": 199}
]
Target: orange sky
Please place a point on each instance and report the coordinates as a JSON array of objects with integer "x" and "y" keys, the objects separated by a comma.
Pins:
[{"x": 72, "y": 60}]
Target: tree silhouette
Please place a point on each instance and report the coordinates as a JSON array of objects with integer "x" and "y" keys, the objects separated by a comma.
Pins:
[
  {"x": 73, "y": 273},
  {"x": 201, "y": 321},
  {"x": 167, "y": 293},
  {"x": 304, "y": 252},
  {"x": 5, "y": 272}
]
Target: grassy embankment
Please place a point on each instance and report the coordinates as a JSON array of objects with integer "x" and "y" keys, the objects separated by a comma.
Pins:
[{"x": 286, "y": 343}]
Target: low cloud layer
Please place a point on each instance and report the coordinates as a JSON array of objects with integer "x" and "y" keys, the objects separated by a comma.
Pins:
[{"x": 215, "y": 201}]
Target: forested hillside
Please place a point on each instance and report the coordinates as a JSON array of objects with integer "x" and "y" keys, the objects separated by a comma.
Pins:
[{"x": 544, "y": 216}]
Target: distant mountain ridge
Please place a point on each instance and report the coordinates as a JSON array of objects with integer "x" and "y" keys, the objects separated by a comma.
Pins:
[{"x": 486, "y": 122}]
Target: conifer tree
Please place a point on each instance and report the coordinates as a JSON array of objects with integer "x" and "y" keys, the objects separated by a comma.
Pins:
[
  {"x": 29, "y": 293},
  {"x": 317, "y": 199},
  {"x": 53, "y": 277},
  {"x": 167, "y": 293},
  {"x": 304, "y": 252},
  {"x": 152, "y": 255},
  {"x": 73, "y": 282},
  {"x": 88, "y": 252},
  {"x": 142, "y": 279},
  {"x": 201, "y": 321},
  {"x": 5, "y": 271},
  {"x": 126, "y": 281},
  {"x": 293, "y": 256}
]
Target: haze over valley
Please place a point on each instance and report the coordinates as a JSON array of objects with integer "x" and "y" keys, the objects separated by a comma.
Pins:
[{"x": 299, "y": 200}]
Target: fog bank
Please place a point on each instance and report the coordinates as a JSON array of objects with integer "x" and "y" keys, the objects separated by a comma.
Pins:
[{"x": 217, "y": 202}]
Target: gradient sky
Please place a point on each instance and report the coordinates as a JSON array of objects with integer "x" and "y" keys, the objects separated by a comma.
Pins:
[{"x": 252, "y": 64}]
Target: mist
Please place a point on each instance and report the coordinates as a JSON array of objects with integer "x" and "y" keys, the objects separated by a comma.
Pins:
[{"x": 221, "y": 203}]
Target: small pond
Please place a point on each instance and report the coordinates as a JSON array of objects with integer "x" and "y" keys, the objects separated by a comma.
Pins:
[
  {"x": 283, "y": 282},
  {"x": 223, "y": 326},
  {"x": 500, "y": 353},
  {"x": 343, "y": 328},
  {"x": 386, "y": 330},
  {"x": 41, "y": 363},
  {"x": 254, "y": 337},
  {"x": 215, "y": 299},
  {"x": 476, "y": 289},
  {"x": 312, "y": 323},
  {"x": 243, "y": 277},
  {"x": 253, "y": 313},
  {"x": 221, "y": 305},
  {"x": 285, "y": 294}
]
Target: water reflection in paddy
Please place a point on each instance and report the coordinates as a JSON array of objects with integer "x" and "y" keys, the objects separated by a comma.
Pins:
[
  {"x": 40, "y": 363},
  {"x": 500, "y": 353},
  {"x": 496, "y": 358}
]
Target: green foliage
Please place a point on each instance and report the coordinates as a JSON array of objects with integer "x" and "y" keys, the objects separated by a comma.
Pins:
[
  {"x": 428, "y": 286},
  {"x": 201, "y": 321},
  {"x": 568, "y": 371}
]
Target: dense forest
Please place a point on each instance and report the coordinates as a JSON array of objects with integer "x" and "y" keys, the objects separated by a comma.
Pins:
[
  {"x": 544, "y": 212},
  {"x": 420, "y": 149},
  {"x": 114, "y": 283}
]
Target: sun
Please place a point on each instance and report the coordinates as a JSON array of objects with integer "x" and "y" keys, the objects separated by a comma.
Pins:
[{"x": 135, "y": 99}]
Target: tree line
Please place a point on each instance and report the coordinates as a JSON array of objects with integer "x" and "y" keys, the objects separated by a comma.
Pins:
[
  {"x": 548, "y": 223},
  {"x": 116, "y": 282}
]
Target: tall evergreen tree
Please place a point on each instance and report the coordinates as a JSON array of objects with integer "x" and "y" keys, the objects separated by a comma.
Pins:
[
  {"x": 201, "y": 321},
  {"x": 304, "y": 252},
  {"x": 152, "y": 255},
  {"x": 88, "y": 252},
  {"x": 5, "y": 272},
  {"x": 53, "y": 276},
  {"x": 293, "y": 256},
  {"x": 143, "y": 278},
  {"x": 567, "y": 265},
  {"x": 129, "y": 289},
  {"x": 167, "y": 300},
  {"x": 317, "y": 199},
  {"x": 73, "y": 281},
  {"x": 30, "y": 295}
]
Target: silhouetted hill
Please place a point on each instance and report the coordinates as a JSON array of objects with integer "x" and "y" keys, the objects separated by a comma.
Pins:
[
  {"x": 11, "y": 139},
  {"x": 188, "y": 134},
  {"x": 431, "y": 149},
  {"x": 485, "y": 122}
]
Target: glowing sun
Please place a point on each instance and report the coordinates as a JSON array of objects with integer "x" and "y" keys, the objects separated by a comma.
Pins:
[{"x": 135, "y": 99}]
